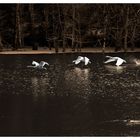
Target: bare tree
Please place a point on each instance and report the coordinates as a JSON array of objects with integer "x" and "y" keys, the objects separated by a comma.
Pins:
[
  {"x": 79, "y": 36},
  {"x": 134, "y": 24},
  {"x": 105, "y": 27},
  {"x": 64, "y": 29},
  {"x": 1, "y": 44},
  {"x": 46, "y": 12},
  {"x": 73, "y": 27},
  {"x": 31, "y": 10},
  {"x": 18, "y": 42},
  {"x": 54, "y": 31},
  {"x": 126, "y": 28},
  {"x": 33, "y": 30}
]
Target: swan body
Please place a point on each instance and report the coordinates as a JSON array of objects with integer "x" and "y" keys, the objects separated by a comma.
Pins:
[
  {"x": 39, "y": 65},
  {"x": 119, "y": 61},
  {"x": 82, "y": 59},
  {"x": 86, "y": 60},
  {"x": 137, "y": 61}
]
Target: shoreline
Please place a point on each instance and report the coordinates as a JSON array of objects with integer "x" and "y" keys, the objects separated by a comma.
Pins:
[{"x": 67, "y": 50}]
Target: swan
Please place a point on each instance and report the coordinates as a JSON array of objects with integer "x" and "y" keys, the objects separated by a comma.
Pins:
[
  {"x": 137, "y": 61},
  {"x": 112, "y": 59},
  {"x": 39, "y": 65},
  {"x": 81, "y": 59}
]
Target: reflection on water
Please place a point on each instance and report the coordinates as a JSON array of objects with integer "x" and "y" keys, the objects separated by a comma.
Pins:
[
  {"x": 66, "y": 100},
  {"x": 39, "y": 85},
  {"x": 115, "y": 69},
  {"x": 82, "y": 73},
  {"x": 138, "y": 75},
  {"x": 77, "y": 80}
]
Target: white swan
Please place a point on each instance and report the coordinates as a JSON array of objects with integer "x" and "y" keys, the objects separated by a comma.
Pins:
[
  {"x": 39, "y": 65},
  {"x": 112, "y": 59},
  {"x": 137, "y": 61},
  {"x": 81, "y": 59}
]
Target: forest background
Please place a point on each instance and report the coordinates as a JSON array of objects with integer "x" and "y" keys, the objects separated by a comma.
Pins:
[{"x": 73, "y": 26}]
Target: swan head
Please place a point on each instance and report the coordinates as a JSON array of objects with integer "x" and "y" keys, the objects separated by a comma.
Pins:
[
  {"x": 124, "y": 61},
  {"x": 137, "y": 61},
  {"x": 33, "y": 63}
]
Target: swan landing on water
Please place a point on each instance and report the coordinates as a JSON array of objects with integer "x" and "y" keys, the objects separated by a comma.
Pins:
[
  {"x": 38, "y": 65},
  {"x": 112, "y": 59},
  {"x": 81, "y": 59},
  {"x": 137, "y": 62}
]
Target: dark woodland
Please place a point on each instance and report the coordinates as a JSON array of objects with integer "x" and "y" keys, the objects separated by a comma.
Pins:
[{"x": 72, "y": 26}]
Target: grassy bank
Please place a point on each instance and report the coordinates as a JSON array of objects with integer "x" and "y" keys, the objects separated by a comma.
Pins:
[{"x": 67, "y": 50}]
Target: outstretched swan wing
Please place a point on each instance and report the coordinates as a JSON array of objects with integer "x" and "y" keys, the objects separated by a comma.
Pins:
[
  {"x": 86, "y": 60},
  {"x": 108, "y": 56},
  {"x": 42, "y": 63},
  {"x": 78, "y": 60},
  {"x": 110, "y": 60}
]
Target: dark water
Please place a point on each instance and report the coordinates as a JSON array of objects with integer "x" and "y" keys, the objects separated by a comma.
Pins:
[{"x": 68, "y": 100}]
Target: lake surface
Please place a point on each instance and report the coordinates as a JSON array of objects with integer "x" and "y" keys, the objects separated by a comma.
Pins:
[{"x": 68, "y": 100}]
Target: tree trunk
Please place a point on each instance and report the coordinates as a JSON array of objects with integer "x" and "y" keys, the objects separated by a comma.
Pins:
[
  {"x": 80, "y": 37},
  {"x": 117, "y": 38},
  {"x": 64, "y": 41},
  {"x": 61, "y": 25},
  {"x": 126, "y": 30},
  {"x": 54, "y": 32},
  {"x": 46, "y": 24},
  {"x": 31, "y": 10},
  {"x": 64, "y": 29},
  {"x": 73, "y": 28},
  {"x": 18, "y": 41},
  {"x": 104, "y": 44},
  {"x": 1, "y": 44},
  {"x": 105, "y": 28},
  {"x": 132, "y": 38},
  {"x": 33, "y": 32}
]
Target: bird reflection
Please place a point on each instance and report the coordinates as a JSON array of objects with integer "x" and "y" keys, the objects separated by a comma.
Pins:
[
  {"x": 35, "y": 86},
  {"x": 114, "y": 69},
  {"x": 39, "y": 85},
  {"x": 138, "y": 75},
  {"x": 82, "y": 73},
  {"x": 78, "y": 80}
]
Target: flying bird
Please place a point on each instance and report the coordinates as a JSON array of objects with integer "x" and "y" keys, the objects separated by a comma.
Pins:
[
  {"x": 39, "y": 65},
  {"x": 118, "y": 60},
  {"x": 82, "y": 59},
  {"x": 137, "y": 61}
]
